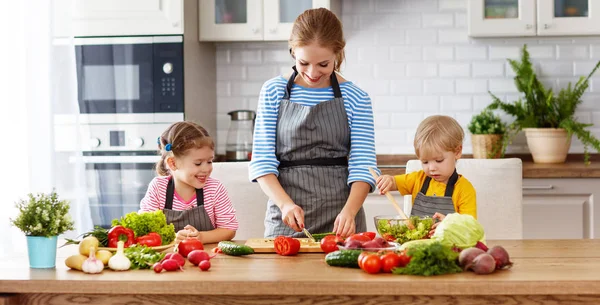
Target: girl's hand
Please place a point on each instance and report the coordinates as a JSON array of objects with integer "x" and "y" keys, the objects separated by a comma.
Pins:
[
  {"x": 293, "y": 216},
  {"x": 384, "y": 183},
  {"x": 193, "y": 233},
  {"x": 344, "y": 224},
  {"x": 182, "y": 234},
  {"x": 439, "y": 217}
]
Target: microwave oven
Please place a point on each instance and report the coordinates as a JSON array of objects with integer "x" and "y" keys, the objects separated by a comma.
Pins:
[{"x": 130, "y": 75}]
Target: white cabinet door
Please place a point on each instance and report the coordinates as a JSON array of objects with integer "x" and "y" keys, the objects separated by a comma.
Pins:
[
  {"x": 117, "y": 18},
  {"x": 231, "y": 20},
  {"x": 560, "y": 208},
  {"x": 493, "y": 18},
  {"x": 279, "y": 15},
  {"x": 568, "y": 17}
]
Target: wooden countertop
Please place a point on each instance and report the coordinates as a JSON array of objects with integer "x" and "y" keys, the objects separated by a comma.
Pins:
[
  {"x": 573, "y": 168},
  {"x": 541, "y": 267}
]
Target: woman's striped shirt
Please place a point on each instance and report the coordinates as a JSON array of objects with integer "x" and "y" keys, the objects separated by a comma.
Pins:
[{"x": 360, "y": 119}]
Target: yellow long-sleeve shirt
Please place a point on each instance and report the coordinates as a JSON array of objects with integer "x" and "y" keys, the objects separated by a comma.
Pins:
[{"x": 464, "y": 196}]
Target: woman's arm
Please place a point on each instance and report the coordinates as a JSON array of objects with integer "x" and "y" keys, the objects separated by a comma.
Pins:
[{"x": 292, "y": 215}]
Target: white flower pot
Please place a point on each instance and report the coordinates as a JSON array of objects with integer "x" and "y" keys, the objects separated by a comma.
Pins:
[{"x": 548, "y": 145}]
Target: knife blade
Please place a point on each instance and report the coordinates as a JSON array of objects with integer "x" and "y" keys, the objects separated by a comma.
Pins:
[{"x": 308, "y": 235}]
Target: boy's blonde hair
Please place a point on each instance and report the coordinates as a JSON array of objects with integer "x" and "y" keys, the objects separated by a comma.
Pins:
[{"x": 438, "y": 133}]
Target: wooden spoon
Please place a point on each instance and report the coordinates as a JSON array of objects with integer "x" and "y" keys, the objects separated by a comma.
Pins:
[{"x": 393, "y": 201}]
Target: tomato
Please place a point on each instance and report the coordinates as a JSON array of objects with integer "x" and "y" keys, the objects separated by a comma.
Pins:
[
  {"x": 188, "y": 245},
  {"x": 404, "y": 259},
  {"x": 337, "y": 239},
  {"x": 371, "y": 263},
  {"x": 286, "y": 245},
  {"x": 358, "y": 237},
  {"x": 217, "y": 250},
  {"x": 361, "y": 257},
  {"x": 329, "y": 245},
  {"x": 370, "y": 235},
  {"x": 388, "y": 237},
  {"x": 389, "y": 261}
]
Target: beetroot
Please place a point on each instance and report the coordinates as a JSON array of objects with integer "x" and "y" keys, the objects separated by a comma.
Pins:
[
  {"x": 501, "y": 257},
  {"x": 483, "y": 264},
  {"x": 467, "y": 256},
  {"x": 481, "y": 246}
]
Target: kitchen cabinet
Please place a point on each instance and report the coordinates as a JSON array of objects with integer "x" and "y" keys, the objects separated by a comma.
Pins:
[
  {"x": 253, "y": 20},
  {"x": 560, "y": 208},
  {"x": 493, "y": 18},
  {"x": 117, "y": 18}
]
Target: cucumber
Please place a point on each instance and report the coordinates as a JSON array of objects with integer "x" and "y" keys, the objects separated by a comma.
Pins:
[
  {"x": 231, "y": 248},
  {"x": 343, "y": 258},
  {"x": 320, "y": 236}
]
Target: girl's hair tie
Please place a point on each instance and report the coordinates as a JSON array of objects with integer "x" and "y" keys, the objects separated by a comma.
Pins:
[
  {"x": 158, "y": 140},
  {"x": 168, "y": 147}
]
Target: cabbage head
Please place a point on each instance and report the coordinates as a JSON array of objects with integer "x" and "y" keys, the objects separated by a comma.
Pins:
[{"x": 459, "y": 230}]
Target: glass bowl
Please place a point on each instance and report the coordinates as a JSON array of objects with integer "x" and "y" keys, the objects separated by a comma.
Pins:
[{"x": 398, "y": 229}]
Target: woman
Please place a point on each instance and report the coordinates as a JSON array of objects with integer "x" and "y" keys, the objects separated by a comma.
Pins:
[{"x": 314, "y": 137}]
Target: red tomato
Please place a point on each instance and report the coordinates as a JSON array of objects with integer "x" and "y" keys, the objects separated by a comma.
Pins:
[
  {"x": 388, "y": 237},
  {"x": 371, "y": 263},
  {"x": 335, "y": 238},
  {"x": 404, "y": 259},
  {"x": 286, "y": 245},
  {"x": 361, "y": 257},
  {"x": 370, "y": 235},
  {"x": 329, "y": 245},
  {"x": 359, "y": 237},
  {"x": 389, "y": 261},
  {"x": 188, "y": 245}
]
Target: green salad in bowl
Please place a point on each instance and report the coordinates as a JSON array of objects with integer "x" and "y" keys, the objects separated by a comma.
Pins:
[{"x": 396, "y": 228}]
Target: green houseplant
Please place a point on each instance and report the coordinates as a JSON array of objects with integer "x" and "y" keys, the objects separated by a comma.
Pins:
[
  {"x": 42, "y": 218},
  {"x": 548, "y": 119},
  {"x": 487, "y": 131}
]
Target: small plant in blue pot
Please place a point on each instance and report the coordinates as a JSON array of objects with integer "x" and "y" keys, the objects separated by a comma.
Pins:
[{"x": 42, "y": 218}]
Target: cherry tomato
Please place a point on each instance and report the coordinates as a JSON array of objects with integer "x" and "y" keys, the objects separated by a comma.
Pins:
[
  {"x": 358, "y": 237},
  {"x": 388, "y": 237},
  {"x": 404, "y": 259},
  {"x": 370, "y": 235},
  {"x": 389, "y": 261},
  {"x": 361, "y": 256},
  {"x": 371, "y": 264}
]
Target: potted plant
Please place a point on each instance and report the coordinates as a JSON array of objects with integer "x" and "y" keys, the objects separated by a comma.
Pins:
[
  {"x": 42, "y": 218},
  {"x": 548, "y": 120},
  {"x": 487, "y": 131}
]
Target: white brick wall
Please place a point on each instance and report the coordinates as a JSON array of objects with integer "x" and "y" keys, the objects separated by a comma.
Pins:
[{"x": 414, "y": 59}]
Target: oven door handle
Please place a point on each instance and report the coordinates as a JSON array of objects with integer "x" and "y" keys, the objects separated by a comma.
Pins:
[{"x": 116, "y": 159}]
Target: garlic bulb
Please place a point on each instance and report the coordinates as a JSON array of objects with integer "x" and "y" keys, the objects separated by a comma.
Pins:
[
  {"x": 92, "y": 265},
  {"x": 119, "y": 262}
]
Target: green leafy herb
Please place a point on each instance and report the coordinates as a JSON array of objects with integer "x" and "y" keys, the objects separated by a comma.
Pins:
[
  {"x": 99, "y": 232},
  {"x": 142, "y": 257},
  {"x": 43, "y": 215},
  {"x": 146, "y": 222},
  {"x": 430, "y": 259}
]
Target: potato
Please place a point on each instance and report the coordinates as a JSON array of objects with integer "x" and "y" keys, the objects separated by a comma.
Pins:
[
  {"x": 75, "y": 261},
  {"x": 86, "y": 244},
  {"x": 104, "y": 256}
]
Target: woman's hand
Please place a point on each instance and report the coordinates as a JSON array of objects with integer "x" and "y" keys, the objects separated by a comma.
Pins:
[
  {"x": 385, "y": 183},
  {"x": 293, "y": 216},
  {"x": 439, "y": 217},
  {"x": 344, "y": 224}
]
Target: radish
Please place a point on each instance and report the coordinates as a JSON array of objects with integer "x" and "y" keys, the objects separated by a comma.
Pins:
[
  {"x": 204, "y": 265},
  {"x": 177, "y": 257},
  {"x": 157, "y": 267},
  {"x": 171, "y": 265},
  {"x": 197, "y": 256}
]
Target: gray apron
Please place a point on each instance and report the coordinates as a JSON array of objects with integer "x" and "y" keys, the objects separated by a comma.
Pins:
[
  {"x": 428, "y": 205},
  {"x": 312, "y": 146},
  {"x": 195, "y": 217}
]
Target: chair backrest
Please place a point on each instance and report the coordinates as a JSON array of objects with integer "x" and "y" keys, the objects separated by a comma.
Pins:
[
  {"x": 498, "y": 183},
  {"x": 248, "y": 199}
]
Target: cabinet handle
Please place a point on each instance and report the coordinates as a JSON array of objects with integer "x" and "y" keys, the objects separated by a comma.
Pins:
[
  {"x": 546, "y": 26},
  {"x": 273, "y": 30},
  {"x": 529, "y": 26},
  {"x": 255, "y": 30},
  {"x": 538, "y": 187}
]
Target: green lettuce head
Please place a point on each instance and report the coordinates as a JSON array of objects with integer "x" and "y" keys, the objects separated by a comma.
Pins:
[{"x": 459, "y": 230}]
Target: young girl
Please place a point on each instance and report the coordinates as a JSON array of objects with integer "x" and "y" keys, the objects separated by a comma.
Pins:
[
  {"x": 437, "y": 189},
  {"x": 195, "y": 203}
]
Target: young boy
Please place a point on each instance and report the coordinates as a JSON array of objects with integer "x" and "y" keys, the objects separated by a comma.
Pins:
[{"x": 437, "y": 189}]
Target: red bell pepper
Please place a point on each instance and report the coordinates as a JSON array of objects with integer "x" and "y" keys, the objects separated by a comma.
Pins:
[
  {"x": 286, "y": 245},
  {"x": 151, "y": 240},
  {"x": 117, "y": 233}
]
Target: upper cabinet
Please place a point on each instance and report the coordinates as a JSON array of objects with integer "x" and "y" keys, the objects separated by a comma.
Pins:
[
  {"x": 494, "y": 18},
  {"x": 245, "y": 20},
  {"x": 117, "y": 17}
]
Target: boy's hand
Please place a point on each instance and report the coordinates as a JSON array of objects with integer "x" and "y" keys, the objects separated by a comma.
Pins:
[{"x": 385, "y": 183}]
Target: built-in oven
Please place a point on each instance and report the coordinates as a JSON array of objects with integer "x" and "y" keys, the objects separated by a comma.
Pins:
[{"x": 117, "y": 75}]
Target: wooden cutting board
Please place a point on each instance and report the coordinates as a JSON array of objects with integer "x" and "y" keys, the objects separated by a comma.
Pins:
[{"x": 266, "y": 245}]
